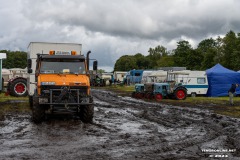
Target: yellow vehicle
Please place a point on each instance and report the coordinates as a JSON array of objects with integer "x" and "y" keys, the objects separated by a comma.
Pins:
[{"x": 61, "y": 85}]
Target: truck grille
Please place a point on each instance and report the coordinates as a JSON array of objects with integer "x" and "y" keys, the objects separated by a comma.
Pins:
[{"x": 64, "y": 94}]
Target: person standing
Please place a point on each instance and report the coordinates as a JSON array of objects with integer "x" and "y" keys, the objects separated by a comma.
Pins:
[{"x": 231, "y": 93}]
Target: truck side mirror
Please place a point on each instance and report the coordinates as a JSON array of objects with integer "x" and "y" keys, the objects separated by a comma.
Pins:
[
  {"x": 29, "y": 70},
  {"x": 95, "y": 64},
  {"x": 29, "y": 65}
]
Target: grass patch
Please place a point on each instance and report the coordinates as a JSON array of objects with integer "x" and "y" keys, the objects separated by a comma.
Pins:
[
  {"x": 4, "y": 98},
  {"x": 13, "y": 105}
]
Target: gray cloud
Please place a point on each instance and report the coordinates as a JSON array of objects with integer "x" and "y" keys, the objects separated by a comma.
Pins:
[{"x": 114, "y": 28}]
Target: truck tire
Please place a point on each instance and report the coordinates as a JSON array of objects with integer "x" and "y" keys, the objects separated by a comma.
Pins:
[
  {"x": 86, "y": 113},
  {"x": 38, "y": 112},
  {"x": 180, "y": 94},
  {"x": 18, "y": 87},
  {"x": 30, "y": 100}
]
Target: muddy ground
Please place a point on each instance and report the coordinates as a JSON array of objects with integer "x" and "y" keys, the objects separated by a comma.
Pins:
[{"x": 123, "y": 128}]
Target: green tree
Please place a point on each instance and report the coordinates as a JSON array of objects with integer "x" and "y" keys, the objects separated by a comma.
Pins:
[
  {"x": 182, "y": 53},
  {"x": 208, "y": 49},
  {"x": 15, "y": 59},
  {"x": 141, "y": 61},
  {"x": 229, "y": 50},
  {"x": 155, "y": 54},
  {"x": 125, "y": 63}
]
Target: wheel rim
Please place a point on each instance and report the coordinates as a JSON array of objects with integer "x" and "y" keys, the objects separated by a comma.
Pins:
[
  {"x": 20, "y": 88},
  {"x": 180, "y": 94},
  {"x": 158, "y": 97}
]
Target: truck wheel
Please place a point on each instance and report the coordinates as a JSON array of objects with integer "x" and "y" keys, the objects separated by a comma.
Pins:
[
  {"x": 18, "y": 88},
  {"x": 38, "y": 112},
  {"x": 86, "y": 113},
  {"x": 158, "y": 97},
  {"x": 30, "y": 100},
  {"x": 180, "y": 94}
]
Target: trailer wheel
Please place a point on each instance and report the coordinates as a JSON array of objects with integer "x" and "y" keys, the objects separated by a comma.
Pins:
[
  {"x": 158, "y": 97},
  {"x": 180, "y": 94},
  {"x": 18, "y": 88},
  {"x": 38, "y": 111},
  {"x": 193, "y": 94},
  {"x": 86, "y": 113}
]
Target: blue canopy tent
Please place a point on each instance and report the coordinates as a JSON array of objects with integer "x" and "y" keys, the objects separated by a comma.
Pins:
[{"x": 220, "y": 80}]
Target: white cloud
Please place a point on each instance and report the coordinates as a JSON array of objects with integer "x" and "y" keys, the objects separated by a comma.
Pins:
[{"x": 113, "y": 28}]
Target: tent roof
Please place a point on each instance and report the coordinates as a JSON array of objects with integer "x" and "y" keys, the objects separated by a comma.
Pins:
[{"x": 218, "y": 68}]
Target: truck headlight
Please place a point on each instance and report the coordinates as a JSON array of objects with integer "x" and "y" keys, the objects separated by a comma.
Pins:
[{"x": 48, "y": 83}]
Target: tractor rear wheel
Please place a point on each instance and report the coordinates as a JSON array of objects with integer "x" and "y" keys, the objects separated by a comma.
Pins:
[
  {"x": 18, "y": 87},
  {"x": 158, "y": 97},
  {"x": 180, "y": 94}
]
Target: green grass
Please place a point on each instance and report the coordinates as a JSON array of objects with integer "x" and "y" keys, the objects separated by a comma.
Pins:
[
  {"x": 4, "y": 98},
  {"x": 13, "y": 105}
]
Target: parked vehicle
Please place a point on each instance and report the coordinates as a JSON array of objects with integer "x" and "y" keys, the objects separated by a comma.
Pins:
[
  {"x": 139, "y": 91},
  {"x": 169, "y": 90},
  {"x": 158, "y": 91},
  {"x": 196, "y": 82},
  {"x": 15, "y": 81},
  {"x": 134, "y": 76},
  {"x": 58, "y": 80},
  {"x": 118, "y": 76},
  {"x": 2, "y": 56}
]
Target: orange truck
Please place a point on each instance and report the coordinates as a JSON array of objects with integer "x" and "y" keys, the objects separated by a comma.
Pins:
[{"x": 59, "y": 81}]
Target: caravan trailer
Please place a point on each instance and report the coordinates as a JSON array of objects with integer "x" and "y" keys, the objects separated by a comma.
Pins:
[{"x": 195, "y": 81}]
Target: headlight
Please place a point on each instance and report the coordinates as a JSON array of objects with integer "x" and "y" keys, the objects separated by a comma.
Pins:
[{"x": 47, "y": 83}]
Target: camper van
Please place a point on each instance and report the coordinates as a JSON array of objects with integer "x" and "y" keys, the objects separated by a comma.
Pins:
[{"x": 195, "y": 81}]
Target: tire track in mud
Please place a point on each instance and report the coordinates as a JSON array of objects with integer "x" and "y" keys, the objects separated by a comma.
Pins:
[
  {"x": 183, "y": 131},
  {"x": 123, "y": 128}
]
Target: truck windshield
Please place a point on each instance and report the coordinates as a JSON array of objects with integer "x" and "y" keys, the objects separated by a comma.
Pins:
[{"x": 71, "y": 67}]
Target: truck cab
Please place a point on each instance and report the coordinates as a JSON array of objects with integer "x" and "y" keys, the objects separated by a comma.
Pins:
[{"x": 62, "y": 84}]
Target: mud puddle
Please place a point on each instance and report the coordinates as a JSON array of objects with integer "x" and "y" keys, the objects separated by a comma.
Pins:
[{"x": 123, "y": 128}]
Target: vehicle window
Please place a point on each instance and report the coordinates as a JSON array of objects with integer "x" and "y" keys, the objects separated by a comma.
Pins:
[
  {"x": 137, "y": 74},
  {"x": 201, "y": 80},
  {"x": 59, "y": 67}
]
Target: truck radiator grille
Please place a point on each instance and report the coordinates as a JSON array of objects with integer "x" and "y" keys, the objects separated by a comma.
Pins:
[{"x": 63, "y": 94}]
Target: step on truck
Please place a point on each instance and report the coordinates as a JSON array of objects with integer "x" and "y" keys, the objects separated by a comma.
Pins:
[{"x": 58, "y": 80}]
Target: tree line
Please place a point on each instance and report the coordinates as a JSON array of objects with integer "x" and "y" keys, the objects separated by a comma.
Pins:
[
  {"x": 224, "y": 50},
  {"x": 15, "y": 59}
]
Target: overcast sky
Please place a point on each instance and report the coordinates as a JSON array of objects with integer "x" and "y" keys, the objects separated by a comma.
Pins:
[{"x": 112, "y": 28}]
